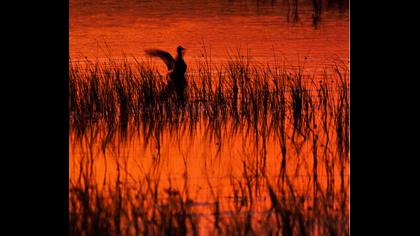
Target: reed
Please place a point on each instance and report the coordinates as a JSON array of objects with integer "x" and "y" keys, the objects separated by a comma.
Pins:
[{"x": 113, "y": 102}]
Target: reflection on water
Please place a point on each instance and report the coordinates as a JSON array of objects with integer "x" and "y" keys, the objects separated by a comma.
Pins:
[
  {"x": 131, "y": 26},
  {"x": 254, "y": 149},
  {"x": 260, "y": 146}
]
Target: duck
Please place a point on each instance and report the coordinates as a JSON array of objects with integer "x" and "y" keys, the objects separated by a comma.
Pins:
[{"x": 176, "y": 69}]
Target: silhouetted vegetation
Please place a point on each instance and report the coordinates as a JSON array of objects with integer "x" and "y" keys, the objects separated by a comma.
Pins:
[{"x": 306, "y": 116}]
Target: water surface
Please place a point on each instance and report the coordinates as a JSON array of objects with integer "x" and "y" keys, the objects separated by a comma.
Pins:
[
  {"x": 263, "y": 160},
  {"x": 266, "y": 28}
]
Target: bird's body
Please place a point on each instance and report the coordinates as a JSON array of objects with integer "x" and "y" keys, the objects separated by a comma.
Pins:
[{"x": 176, "y": 70}]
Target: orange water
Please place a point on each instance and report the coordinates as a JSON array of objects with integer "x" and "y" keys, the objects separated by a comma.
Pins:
[
  {"x": 113, "y": 29},
  {"x": 102, "y": 29}
]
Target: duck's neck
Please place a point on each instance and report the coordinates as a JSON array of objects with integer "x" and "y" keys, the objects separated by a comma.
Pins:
[{"x": 179, "y": 55}]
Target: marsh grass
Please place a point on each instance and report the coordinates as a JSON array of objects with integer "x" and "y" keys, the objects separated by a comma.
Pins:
[
  {"x": 318, "y": 8},
  {"x": 306, "y": 115}
]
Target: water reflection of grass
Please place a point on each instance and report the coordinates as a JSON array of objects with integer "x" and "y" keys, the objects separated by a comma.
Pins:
[
  {"x": 117, "y": 99},
  {"x": 119, "y": 208}
]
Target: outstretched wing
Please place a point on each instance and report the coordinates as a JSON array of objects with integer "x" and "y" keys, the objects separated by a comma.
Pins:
[{"x": 165, "y": 56}]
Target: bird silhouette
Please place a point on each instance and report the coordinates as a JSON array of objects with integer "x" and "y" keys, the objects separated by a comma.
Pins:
[{"x": 176, "y": 70}]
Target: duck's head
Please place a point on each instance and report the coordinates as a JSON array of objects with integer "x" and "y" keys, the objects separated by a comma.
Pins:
[{"x": 180, "y": 50}]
